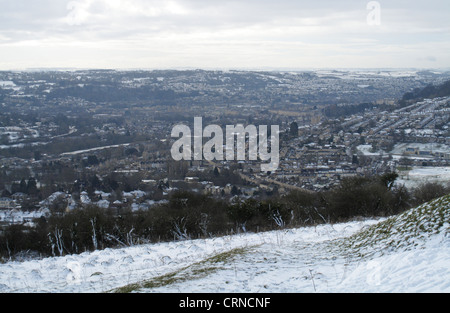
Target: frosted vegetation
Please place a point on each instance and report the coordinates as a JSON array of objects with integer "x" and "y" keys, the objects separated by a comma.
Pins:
[{"x": 408, "y": 252}]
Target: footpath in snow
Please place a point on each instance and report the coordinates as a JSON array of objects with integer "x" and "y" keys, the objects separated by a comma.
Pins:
[{"x": 105, "y": 270}]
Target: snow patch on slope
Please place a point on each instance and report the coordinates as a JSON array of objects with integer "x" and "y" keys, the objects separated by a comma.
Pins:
[{"x": 405, "y": 253}]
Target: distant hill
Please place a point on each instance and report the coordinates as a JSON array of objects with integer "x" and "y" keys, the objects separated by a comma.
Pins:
[{"x": 428, "y": 92}]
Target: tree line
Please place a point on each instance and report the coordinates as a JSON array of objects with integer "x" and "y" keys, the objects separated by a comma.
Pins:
[{"x": 188, "y": 215}]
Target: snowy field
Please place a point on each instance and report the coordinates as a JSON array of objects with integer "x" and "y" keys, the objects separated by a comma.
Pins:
[
  {"x": 306, "y": 259},
  {"x": 421, "y": 175}
]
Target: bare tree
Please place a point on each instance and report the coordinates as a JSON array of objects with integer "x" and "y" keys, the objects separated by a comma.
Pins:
[
  {"x": 130, "y": 240},
  {"x": 278, "y": 219},
  {"x": 180, "y": 231},
  {"x": 204, "y": 221},
  {"x": 59, "y": 241},
  {"x": 94, "y": 234}
]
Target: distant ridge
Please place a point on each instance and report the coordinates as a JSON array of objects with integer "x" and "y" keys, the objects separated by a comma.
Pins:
[{"x": 429, "y": 92}]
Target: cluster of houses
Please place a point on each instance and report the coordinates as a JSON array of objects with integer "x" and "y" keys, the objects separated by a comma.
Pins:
[{"x": 11, "y": 213}]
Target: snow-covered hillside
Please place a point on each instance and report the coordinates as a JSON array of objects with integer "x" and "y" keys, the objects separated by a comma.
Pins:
[{"x": 406, "y": 253}]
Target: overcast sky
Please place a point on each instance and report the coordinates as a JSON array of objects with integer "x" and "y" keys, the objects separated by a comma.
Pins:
[{"x": 283, "y": 34}]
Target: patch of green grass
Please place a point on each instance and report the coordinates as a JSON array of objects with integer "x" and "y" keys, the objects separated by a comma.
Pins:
[
  {"x": 194, "y": 271},
  {"x": 405, "y": 230}
]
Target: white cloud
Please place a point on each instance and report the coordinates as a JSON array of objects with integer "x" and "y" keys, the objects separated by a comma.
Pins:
[{"x": 78, "y": 12}]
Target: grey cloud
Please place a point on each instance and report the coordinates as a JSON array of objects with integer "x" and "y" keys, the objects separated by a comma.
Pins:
[
  {"x": 211, "y": 25},
  {"x": 102, "y": 17},
  {"x": 25, "y": 14}
]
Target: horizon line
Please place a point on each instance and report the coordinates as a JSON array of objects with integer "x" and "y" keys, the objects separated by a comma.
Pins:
[{"x": 249, "y": 69}]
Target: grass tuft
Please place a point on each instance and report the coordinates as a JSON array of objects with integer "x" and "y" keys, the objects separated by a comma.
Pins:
[
  {"x": 404, "y": 231},
  {"x": 191, "y": 272}
]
